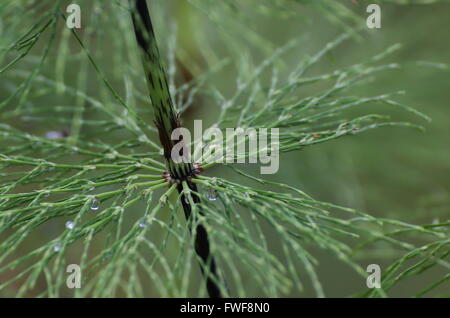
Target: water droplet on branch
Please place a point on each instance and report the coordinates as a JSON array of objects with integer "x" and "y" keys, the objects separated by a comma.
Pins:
[
  {"x": 70, "y": 225},
  {"x": 57, "y": 247},
  {"x": 95, "y": 204}
]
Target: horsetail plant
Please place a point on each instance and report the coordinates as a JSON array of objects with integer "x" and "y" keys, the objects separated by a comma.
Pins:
[{"x": 84, "y": 181}]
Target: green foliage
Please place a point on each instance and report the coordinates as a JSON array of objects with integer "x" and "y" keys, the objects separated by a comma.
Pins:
[{"x": 106, "y": 176}]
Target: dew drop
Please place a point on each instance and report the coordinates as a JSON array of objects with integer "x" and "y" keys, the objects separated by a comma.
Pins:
[
  {"x": 70, "y": 225},
  {"x": 211, "y": 194},
  {"x": 143, "y": 224},
  {"x": 95, "y": 204},
  {"x": 57, "y": 247}
]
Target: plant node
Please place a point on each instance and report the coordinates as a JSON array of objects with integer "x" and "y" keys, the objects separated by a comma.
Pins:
[{"x": 175, "y": 178}]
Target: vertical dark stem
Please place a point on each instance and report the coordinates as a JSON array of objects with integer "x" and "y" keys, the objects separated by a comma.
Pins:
[
  {"x": 166, "y": 121},
  {"x": 202, "y": 244}
]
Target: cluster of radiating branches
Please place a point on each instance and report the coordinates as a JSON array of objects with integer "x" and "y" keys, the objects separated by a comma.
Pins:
[{"x": 94, "y": 188}]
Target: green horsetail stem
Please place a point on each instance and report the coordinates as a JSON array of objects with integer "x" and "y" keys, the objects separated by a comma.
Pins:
[{"x": 166, "y": 121}]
